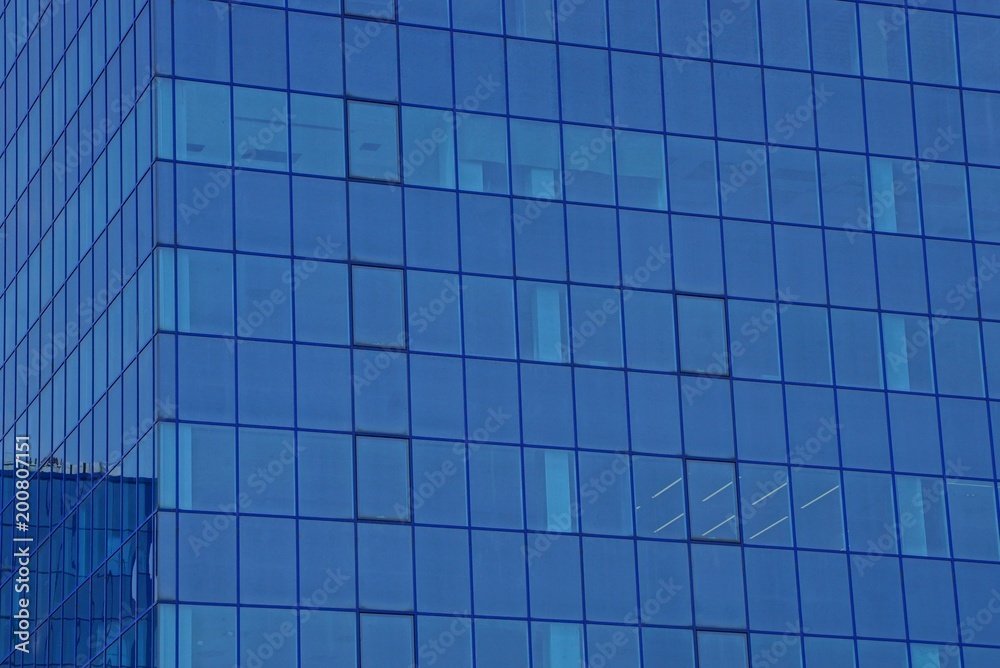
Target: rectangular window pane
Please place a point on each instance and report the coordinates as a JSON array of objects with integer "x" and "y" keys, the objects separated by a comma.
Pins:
[
  {"x": 543, "y": 322},
  {"x": 712, "y": 501},
  {"x": 550, "y": 479},
  {"x": 261, "y": 128},
  {"x": 530, "y": 18},
  {"x": 378, "y": 307},
  {"x": 659, "y": 497},
  {"x": 383, "y": 478},
  {"x": 906, "y": 340},
  {"x": 702, "y": 332},
  {"x": 588, "y": 163},
  {"x": 923, "y": 519},
  {"x": 642, "y": 180},
  {"x": 534, "y": 150},
  {"x": 374, "y": 141},
  {"x": 203, "y": 122},
  {"x": 819, "y": 520},
  {"x": 973, "y": 512},
  {"x": 764, "y": 505},
  {"x": 428, "y": 148},
  {"x": 317, "y": 135},
  {"x": 482, "y": 154}
]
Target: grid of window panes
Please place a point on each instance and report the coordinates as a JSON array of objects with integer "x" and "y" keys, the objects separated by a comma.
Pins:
[
  {"x": 552, "y": 333},
  {"x": 77, "y": 311}
]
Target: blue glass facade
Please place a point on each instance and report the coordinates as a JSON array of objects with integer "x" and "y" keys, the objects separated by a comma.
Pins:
[{"x": 550, "y": 333}]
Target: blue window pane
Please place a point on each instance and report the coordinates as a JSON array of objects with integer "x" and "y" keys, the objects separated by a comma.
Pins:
[
  {"x": 829, "y": 653},
  {"x": 325, "y": 482},
  {"x": 530, "y": 18},
  {"x": 818, "y": 514},
  {"x": 712, "y": 500},
  {"x": 317, "y": 135},
  {"x": 495, "y": 505},
  {"x": 200, "y": 310},
  {"x": 554, "y": 645},
  {"x": 263, "y": 304},
  {"x": 882, "y": 654},
  {"x": 543, "y": 322},
  {"x": 428, "y": 148},
  {"x": 387, "y": 640},
  {"x": 596, "y": 321},
  {"x": 692, "y": 171},
  {"x": 906, "y": 341},
  {"x": 482, "y": 155},
  {"x": 659, "y": 496},
  {"x": 206, "y": 635},
  {"x": 588, "y": 160},
  {"x": 488, "y": 314},
  {"x": 265, "y": 541},
  {"x": 501, "y": 643},
  {"x": 743, "y": 173},
  {"x": 385, "y": 569},
  {"x": 834, "y": 36},
  {"x": 764, "y": 504},
  {"x": 605, "y": 493},
  {"x": 944, "y": 200},
  {"x": 697, "y": 257},
  {"x": 702, "y": 339},
  {"x": 499, "y": 578},
  {"x": 933, "y": 47},
  {"x": 535, "y": 157},
  {"x": 642, "y": 182},
  {"x": 372, "y": 59},
  {"x": 649, "y": 331},
  {"x": 972, "y": 508},
  {"x": 805, "y": 344},
  {"x": 857, "y": 348},
  {"x": 442, "y": 561},
  {"x": 845, "y": 191},
  {"x": 753, "y": 330},
  {"x": 203, "y": 122},
  {"x": 260, "y": 128},
  {"x": 373, "y": 141},
  {"x": 717, "y": 572},
  {"x": 383, "y": 478},
  {"x": 321, "y": 302},
  {"x": 958, "y": 359},
  {"x": 675, "y": 643},
  {"x": 329, "y": 639},
  {"x": 378, "y": 307},
  {"x": 871, "y": 519},
  {"x": 884, "y": 49},
  {"x": 550, "y": 490}
]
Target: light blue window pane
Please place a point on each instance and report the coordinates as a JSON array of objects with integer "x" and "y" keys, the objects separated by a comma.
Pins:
[
  {"x": 907, "y": 349},
  {"x": 857, "y": 348},
  {"x": 944, "y": 198},
  {"x": 722, "y": 649},
  {"x": 659, "y": 497},
  {"x": 692, "y": 175},
  {"x": 428, "y": 148},
  {"x": 980, "y": 657},
  {"x": 543, "y": 321},
  {"x": 535, "y": 158},
  {"x": 206, "y": 465},
  {"x": 983, "y": 139},
  {"x": 587, "y": 160},
  {"x": 805, "y": 344},
  {"x": 597, "y": 328},
  {"x": 550, "y": 489},
  {"x": 198, "y": 309},
  {"x": 765, "y": 505},
  {"x": 818, "y": 514},
  {"x": 934, "y": 656},
  {"x": 387, "y": 640},
  {"x": 530, "y": 18},
  {"x": 203, "y": 122},
  {"x": 374, "y": 141},
  {"x": 265, "y": 541},
  {"x": 642, "y": 181},
  {"x": 753, "y": 330},
  {"x": 923, "y": 516},
  {"x": 743, "y": 173},
  {"x": 895, "y": 204},
  {"x": 556, "y": 645},
  {"x": 883, "y": 43},
  {"x": 985, "y": 186},
  {"x": 702, "y": 340},
  {"x": 482, "y": 154},
  {"x": 378, "y": 307},
  {"x": 260, "y": 128},
  {"x": 206, "y": 635},
  {"x": 617, "y": 647},
  {"x": 712, "y": 501},
  {"x": 383, "y": 478},
  {"x": 317, "y": 135},
  {"x": 972, "y": 508}
]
